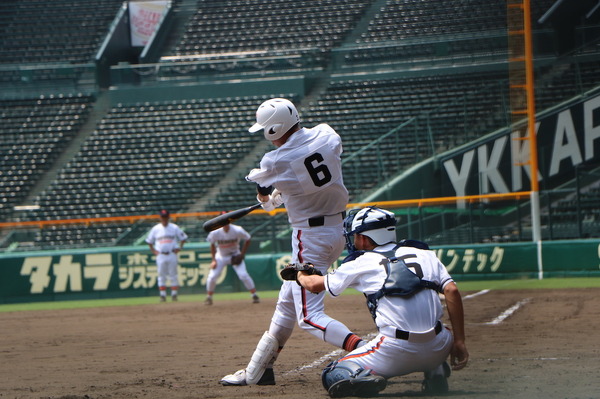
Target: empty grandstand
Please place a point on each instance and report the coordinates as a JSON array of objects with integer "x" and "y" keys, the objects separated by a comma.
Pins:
[
  {"x": 257, "y": 26},
  {"x": 41, "y": 32},
  {"x": 404, "y": 82},
  {"x": 33, "y": 133}
]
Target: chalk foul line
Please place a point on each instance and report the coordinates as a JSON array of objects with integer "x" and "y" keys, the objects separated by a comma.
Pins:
[
  {"x": 508, "y": 312},
  {"x": 504, "y": 315},
  {"x": 482, "y": 292}
]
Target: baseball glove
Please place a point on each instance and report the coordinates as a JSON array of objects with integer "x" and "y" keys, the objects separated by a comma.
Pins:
[
  {"x": 237, "y": 259},
  {"x": 290, "y": 272}
]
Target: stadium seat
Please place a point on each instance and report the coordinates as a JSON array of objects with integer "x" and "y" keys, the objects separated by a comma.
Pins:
[{"x": 33, "y": 133}]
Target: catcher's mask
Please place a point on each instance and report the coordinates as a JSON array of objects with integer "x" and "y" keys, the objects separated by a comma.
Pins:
[
  {"x": 348, "y": 233},
  {"x": 375, "y": 223}
]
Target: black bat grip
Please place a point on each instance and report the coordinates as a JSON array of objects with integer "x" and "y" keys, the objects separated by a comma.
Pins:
[{"x": 225, "y": 219}]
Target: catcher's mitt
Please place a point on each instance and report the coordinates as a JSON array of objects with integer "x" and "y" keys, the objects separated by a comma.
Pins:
[
  {"x": 237, "y": 259},
  {"x": 290, "y": 272}
]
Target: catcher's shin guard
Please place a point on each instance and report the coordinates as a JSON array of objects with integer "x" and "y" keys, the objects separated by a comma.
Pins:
[
  {"x": 265, "y": 351},
  {"x": 347, "y": 378},
  {"x": 436, "y": 381}
]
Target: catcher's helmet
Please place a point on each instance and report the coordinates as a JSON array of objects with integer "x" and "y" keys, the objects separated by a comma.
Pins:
[
  {"x": 276, "y": 116},
  {"x": 375, "y": 223}
]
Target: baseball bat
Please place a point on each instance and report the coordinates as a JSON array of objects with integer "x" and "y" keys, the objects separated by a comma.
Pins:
[{"x": 226, "y": 218}]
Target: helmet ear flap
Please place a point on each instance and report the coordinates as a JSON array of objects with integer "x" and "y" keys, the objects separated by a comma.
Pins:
[
  {"x": 272, "y": 131},
  {"x": 276, "y": 117}
]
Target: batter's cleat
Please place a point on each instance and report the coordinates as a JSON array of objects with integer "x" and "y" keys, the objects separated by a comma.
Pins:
[
  {"x": 436, "y": 384},
  {"x": 163, "y": 299},
  {"x": 174, "y": 298},
  {"x": 208, "y": 301},
  {"x": 362, "y": 387},
  {"x": 236, "y": 379},
  {"x": 255, "y": 299},
  {"x": 239, "y": 378}
]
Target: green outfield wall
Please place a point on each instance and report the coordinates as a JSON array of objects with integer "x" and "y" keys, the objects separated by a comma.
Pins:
[{"x": 131, "y": 271}]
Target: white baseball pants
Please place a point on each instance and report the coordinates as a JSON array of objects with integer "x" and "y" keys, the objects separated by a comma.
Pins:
[
  {"x": 392, "y": 357},
  {"x": 222, "y": 262},
  {"x": 167, "y": 268},
  {"x": 320, "y": 246}
]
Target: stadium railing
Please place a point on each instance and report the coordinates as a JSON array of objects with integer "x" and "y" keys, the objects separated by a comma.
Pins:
[
  {"x": 18, "y": 81},
  {"x": 201, "y": 67},
  {"x": 567, "y": 213}
]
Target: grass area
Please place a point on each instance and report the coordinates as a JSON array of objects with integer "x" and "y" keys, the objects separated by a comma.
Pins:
[
  {"x": 549, "y": 283},
  {"x": 136, "y": 301}
]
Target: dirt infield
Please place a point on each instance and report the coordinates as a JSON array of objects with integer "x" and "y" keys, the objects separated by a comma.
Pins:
[{"x": 548, "y": 348}]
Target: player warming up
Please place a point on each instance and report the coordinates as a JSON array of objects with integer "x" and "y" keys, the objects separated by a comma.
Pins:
[
  {"x": 401, "y": 282},
  {"x": 225, "y": 250},
  {"x": 165, "y": 241},
  {"x": 305, "y": 171}
]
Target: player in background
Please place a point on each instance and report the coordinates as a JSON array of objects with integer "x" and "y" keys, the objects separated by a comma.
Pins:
[
  {"x": 407, "y": 312},
  {"x": 306, "y": 174},
  {"x": 225, "y": 250},
  {"x": 165, "y": 241}
]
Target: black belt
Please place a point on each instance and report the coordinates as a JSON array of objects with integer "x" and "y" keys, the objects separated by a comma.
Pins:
[
  {"x": 401, "y": 334},
  {"x": 166, "y": 253},
  {"x": 320, "y": 220}
]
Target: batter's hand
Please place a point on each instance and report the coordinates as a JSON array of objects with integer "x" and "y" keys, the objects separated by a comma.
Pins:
[
  {"x": 459, "y": 356},
  {"x": 273, "y": 202},
  {"x": 213, "y": 264}
]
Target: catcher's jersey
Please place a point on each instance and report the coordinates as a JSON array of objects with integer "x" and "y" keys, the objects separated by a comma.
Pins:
[
  {"x": 367, "y": 274},
  {"x": 228, "y": 242},
  {"x": 307, "y": 169},
  {"x": 166, "y": 238}
]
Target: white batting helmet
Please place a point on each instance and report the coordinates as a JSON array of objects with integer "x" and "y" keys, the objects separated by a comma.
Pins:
[
  {"x": 276, "y": 116},
  {"x": 375, "y": 223}
]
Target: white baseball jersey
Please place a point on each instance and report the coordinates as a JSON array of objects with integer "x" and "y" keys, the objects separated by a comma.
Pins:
[
  {"x": 307, "y": 169},
  {"x": 367, "y": 274},
  {"x": 228, "y": 242},
  {"x": 166, "y": 238}
]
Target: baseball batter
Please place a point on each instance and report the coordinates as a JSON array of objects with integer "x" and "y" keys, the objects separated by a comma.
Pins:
[
  {"x": 401, "y": 282},
  {"x": 165, "y": 241},
  {"x": 306, "y": 174},
  {"x": 225, "y": 250}
]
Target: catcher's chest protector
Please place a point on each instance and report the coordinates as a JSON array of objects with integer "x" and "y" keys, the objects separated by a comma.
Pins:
[{"x": 400, "y": 281}]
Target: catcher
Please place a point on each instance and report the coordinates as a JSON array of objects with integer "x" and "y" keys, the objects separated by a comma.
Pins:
[
  {"x": 401, "y": 281},
  {"x": 225, "y": 250}
]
